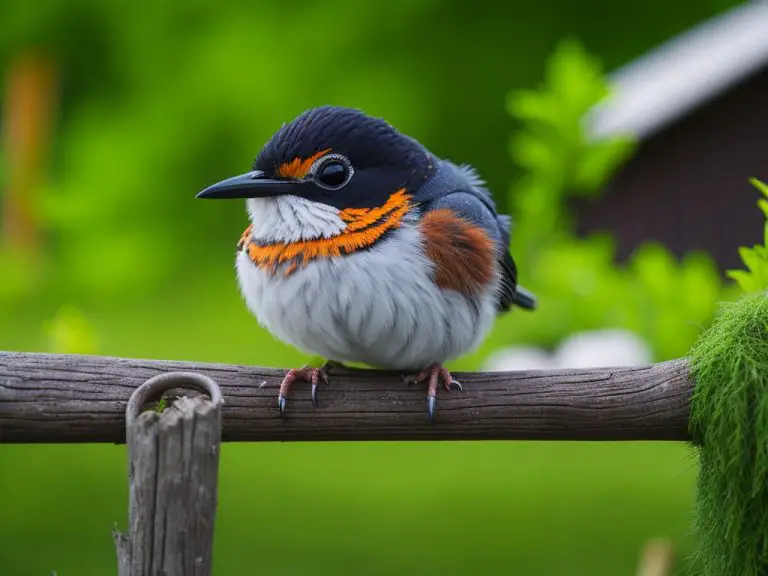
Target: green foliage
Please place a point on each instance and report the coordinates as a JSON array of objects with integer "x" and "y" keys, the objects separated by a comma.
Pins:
[
  {"x": 19, "y": 279},
  {"x": 755, "y": 279},
  {"x": 352, "y": 508},
  {"x": 552, "y": 144},
  {"x": 172, "y": 100},
  {"x": 579, "y": 284},
  {"x": 668, "y": 302},
  {"x": 70, "y": 332},
  {"x": 729, "y": 419},
  {"x": 558, "y": 158}
]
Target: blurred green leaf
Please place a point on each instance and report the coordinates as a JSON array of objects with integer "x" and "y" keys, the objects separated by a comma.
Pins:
[
  {"x": 598, "y": 162},
  {"x": 70, "y": 332},
  {"x": 551, "y": 147},
  {"x": 762, "y": 186},
  {"x": 755, "y": 278},
  {"x": 580, "y": 286}
]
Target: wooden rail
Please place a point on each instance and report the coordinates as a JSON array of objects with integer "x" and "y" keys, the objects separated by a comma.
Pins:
[
  {"x": 173, "y": 450},
  {"x": 63, "y": 398}
]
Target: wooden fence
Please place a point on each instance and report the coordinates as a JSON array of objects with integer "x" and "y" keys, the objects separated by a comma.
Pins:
[{"x": 173, "y": 450}]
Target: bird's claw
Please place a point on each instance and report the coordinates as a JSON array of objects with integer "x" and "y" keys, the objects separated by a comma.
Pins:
[
  {"x": 431, "y": 407},
  {"x": 314, "y": 395},
  {"x": 454, "y": 385},
  {"x": 318, "y": 376},
  {"x": 433, "y": 375},
  {"x": 314, "y": 375}
]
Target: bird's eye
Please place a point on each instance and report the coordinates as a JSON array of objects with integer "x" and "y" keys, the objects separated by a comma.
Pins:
[{"x": 334, "y": 172}]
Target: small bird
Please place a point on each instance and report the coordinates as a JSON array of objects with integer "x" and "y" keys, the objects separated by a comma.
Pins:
[{"x": 363, "y": 246}]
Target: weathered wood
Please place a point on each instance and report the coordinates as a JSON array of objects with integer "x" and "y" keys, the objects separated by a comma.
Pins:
[
  {"x": 173, "y": 462},
  {"x": 61, "y": 398}
]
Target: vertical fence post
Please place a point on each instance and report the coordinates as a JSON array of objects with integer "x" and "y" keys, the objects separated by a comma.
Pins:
[{"x": 173, "y": 466}]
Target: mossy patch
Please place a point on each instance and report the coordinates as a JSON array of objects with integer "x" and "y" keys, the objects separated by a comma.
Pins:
[{"x": 729, "y": 422}]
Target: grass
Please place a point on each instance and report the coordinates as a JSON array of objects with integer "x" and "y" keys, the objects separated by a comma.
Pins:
[
  {"x": 370, "y": 508},
  {"x": 340, "y": 508},
  {"x": 730, "y": 419}
]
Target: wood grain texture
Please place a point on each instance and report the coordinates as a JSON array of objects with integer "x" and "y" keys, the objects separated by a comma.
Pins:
[
  {"x": 61, "y": 398},
  {"x": 173, "y": 464}
]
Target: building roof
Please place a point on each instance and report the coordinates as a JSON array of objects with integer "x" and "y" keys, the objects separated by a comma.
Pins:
[{"x": 684, "y": 73}]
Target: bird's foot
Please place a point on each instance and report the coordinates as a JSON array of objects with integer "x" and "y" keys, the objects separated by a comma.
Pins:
[
  {"x": 434, "y": 374},
  {"x": 315, "y": 376}
]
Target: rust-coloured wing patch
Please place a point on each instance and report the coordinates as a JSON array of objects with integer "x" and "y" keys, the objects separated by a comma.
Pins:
[{"x": 463, "y": 253}]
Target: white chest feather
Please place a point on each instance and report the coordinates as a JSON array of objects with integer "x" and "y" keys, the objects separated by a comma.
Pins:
[
  {"x": 379, "y": 306},
  {"x": 291, "y": 219}
]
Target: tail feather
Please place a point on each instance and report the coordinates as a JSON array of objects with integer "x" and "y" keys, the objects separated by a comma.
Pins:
[{"x": 524, "y": 299}]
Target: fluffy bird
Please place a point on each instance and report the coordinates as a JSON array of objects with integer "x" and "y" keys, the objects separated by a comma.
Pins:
[{"x": 363, "y": 246}]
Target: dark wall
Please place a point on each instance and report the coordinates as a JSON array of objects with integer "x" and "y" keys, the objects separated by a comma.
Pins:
[{"x": 688, "y": 185}]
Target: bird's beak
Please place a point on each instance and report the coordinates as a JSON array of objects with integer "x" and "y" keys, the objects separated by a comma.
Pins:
[{"x": 251, "y": 185}]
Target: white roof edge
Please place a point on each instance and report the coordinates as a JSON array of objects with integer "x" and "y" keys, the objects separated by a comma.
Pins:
[{"x": 683, "y": 73}]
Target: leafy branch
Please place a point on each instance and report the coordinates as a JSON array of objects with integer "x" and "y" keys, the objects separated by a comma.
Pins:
[{"x": 755, "y": 278}]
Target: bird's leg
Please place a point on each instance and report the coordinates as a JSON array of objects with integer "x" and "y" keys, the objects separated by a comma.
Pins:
[
  {"x": 308, "y": 374},
  {"x": 433, "y": 375}
]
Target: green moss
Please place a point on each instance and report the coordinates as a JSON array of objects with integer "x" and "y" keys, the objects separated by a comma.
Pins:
[
  {"x": 729, "y": 420},
  {"x": 161, "y": 405}
]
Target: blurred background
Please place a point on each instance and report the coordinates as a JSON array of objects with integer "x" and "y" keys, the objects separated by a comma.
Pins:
[{"x": 628, "y": 212}]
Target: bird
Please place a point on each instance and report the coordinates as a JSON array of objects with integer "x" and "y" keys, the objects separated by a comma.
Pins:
[{"x": 365, "y": 247}]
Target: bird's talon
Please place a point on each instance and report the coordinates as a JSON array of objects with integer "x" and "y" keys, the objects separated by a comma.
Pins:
[
  {"x": 315, "y": 376},
  {"x": 434, "y": 375},
  {"x": 454, "y": 385}
]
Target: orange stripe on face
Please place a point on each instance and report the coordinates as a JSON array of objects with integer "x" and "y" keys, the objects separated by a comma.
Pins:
[
  {"x": 299, "y": 167},
  {"x": 364, "y": 227}
]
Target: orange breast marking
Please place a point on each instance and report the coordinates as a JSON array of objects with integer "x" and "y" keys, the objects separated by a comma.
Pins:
[
  {"x": 364, "y": 227},
  {"x": 360, "y": 218},
  {"x": 299, "y": 167}
]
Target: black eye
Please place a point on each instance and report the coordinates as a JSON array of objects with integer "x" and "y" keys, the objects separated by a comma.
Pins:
[{"x": 333, "y": 174}]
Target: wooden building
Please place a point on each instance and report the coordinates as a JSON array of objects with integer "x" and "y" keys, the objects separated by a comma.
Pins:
[{"x": 698, "y": 106}]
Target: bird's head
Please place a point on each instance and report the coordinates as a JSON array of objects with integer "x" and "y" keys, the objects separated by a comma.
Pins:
[{"x": 335, "y": 156}]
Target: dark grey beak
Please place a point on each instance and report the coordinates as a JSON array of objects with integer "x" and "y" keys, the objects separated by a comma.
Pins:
[{"x": 251, "y": 185}]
